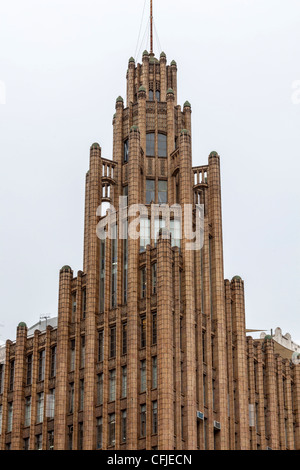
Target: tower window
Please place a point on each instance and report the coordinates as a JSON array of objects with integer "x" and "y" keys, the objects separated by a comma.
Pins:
[
  {"x": 143, "y": 282},
  {"x": 143, "y": 375},
  {"x": 29, "y": 370},
  {"x": 112, "y": 351},
  {"x": 126, "y": 150},
  {"x": 11, "y": 376},
  {"x": 150, "y": 191},
  {"x": 162, "y": 145},
  {"x": 123, "y": 425},
  {"x": 124, "y": 381},
  {"x": 143, "y": 420},
  {"x": 154, "y": 328},
  {"x": 154, "y": 417},
  {"x": 112, "y": 385},
  {"x": 41, "y": 374},
  {"x": 151, "y": 95},
  {"x": 143, "y": 331},
  {"x": 150, "y": 144},
  {"x": 111, "y": 429},
  {"x": 157, "y": 95},
  {"x": 162, "y": 192}
]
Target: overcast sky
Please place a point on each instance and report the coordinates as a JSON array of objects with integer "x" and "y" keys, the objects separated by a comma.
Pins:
[{"x": 63, "y": 63}]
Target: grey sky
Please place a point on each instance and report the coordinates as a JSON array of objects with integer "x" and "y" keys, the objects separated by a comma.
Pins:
[{"x": 64, "y": 63}]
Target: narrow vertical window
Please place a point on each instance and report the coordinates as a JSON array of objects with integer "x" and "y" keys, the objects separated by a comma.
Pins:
[
  {"x": 26, "y": 443},
  {"x": 204, "y": 390},
  {"x": 27, "y": 415},
  {"x": 157, "y": 95},
  {"x": 73, "y": 307},
  {"x": 100, "y": 389},
  {"x": 124, "y": 338},
  {"x": 71, "y": 397},
  {"x": 41, "y": 371},
  {"x": 40, "y": 408},
  {"x": 82, "y": 352},
  {"x": 144, "y": 233},
  {"x": 162, "y": 145},
  {"x": 143, "y": 420},
  {"x": 154, "y": 328},
  {"x": 9, "y": 417},
  {"x": 101, "y": 346},
  {"x": 143, "y": 331},
  {"x": 143, "y": 276},
  {"x": 81, "y": 395},
  {"x": 11, "y": 375},
  {"x": 99, "y": 443},
  {"x": 29, "y": 370},
  {"x": 162, "y": 192},
  {"x": 112, "y": 385},
  {"x": 50, "y": 440},
  {"x": 53, "y": 362},
  {"x": 124, "y": 382},
  {"x": 1, "y": 418},
  {"x": 175, "y": 229},
  {"x": 70, "y": 437},
  {"x": 203, "y": 346},
  {"x": 125, "y": 261},
  {"x": 80, "y": 436},
  {"x": 154, "y": 417},
  {"x": 111, "y": 429},
  {"x": 114, "y": 265},
  {"x": 154, "y": 372},
  {"x": 84, "y": 303},
  {"x": 154, "y": 277},
  {"x": 112, "y": 349},
  {"x": 38, "y": 442},
  {"x": 151, "y": 95},
  {"x": 150, "y": 191},
  {"x": 50, "y": 404},
  {"x": 102, "y": 275},
  {"x": 143, "y": 375},
  {"x": 210, "y": 277},
  {"x": 72, "y": 354},
  {"x": 123, "y": 425},
  {"x": 126, "y": 151}
]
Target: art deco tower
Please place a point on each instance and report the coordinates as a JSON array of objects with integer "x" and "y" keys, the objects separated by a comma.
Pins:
[{"x": 150, "y": 348}]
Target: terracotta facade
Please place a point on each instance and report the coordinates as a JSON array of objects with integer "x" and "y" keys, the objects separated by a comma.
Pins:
[{"x": 150, "y": 350}]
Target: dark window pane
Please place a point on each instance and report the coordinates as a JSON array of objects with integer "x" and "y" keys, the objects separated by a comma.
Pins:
[
  {"x": 126, "y": 150},
  {"x": 162, "y": 192},
  {"x": 150, "y": 191},
  {"x": 162, "y": 145},
  {"x": 150, "y": 145}
]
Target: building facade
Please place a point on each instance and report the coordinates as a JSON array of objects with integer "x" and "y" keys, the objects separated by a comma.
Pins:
[{"x": 150, "y": 348}]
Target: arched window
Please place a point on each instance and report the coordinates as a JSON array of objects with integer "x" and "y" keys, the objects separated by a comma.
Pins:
[
  {"x": 157, "y": 95},
  {"x": 151, "y": 95},
  {"x": 150, "y": 145},
  {"x": 162, "y": 145}
]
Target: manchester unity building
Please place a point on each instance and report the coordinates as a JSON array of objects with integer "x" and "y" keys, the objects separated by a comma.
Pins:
[{"x": 150, "y": 349}]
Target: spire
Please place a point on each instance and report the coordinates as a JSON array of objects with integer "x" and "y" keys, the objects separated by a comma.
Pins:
[{"x": 151, "y": 27}]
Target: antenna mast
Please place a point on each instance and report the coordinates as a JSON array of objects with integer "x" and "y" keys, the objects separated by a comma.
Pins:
[{"x": 151, "y": 27}]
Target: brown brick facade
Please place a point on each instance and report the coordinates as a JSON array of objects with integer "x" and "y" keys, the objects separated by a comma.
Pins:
[{"x": 151, "y": 346}]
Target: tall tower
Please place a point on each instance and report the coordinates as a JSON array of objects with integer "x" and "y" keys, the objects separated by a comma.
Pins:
[{"x": 150, "y": 348}]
